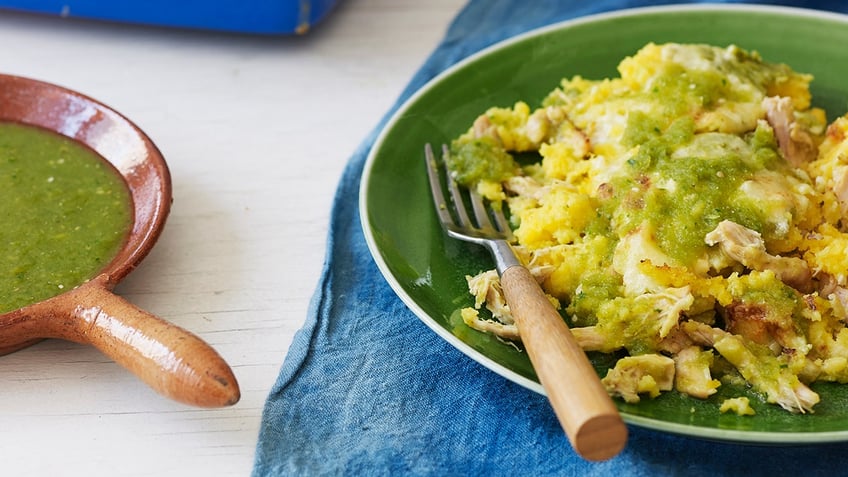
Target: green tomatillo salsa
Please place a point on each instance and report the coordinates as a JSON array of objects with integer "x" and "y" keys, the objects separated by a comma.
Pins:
[
  {"x": 64, "y": 214},
  {"x": 688, "y": 218}
]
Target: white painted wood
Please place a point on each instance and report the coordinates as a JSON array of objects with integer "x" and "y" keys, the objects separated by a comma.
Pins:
[{"x": 256, "y": 131}]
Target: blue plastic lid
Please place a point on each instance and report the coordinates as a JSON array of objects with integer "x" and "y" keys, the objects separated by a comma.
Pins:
[{"x": 256, "y": 16}]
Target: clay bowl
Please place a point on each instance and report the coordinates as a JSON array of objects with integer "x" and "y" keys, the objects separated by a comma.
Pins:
[{"x": 173, "y": 361}]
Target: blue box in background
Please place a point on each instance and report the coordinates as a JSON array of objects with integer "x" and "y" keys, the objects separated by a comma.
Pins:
[{"x": 268, "y": 17}]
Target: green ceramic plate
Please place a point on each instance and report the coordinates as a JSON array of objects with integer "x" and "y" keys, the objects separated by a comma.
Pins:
[{"x": 427, "y": 270}]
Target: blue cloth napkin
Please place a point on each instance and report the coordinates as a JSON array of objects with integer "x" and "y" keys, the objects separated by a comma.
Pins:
[{"x": 367, "y": 389}]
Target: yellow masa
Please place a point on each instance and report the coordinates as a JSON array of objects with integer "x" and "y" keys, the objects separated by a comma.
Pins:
[{"x": 689, "y": 209}]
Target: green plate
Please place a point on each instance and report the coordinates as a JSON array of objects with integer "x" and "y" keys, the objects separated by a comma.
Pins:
[{"x": 426, "y": 269}]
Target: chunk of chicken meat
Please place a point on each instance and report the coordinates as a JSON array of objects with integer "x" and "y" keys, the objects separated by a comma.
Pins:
[
  {"x": 794, "y": 140},
  {"x": 472, "y": 319},
  {"x": 590, "y": 339},
  {"x": 780, "y": 385},
  {"x": 692, "y": 372},
  {"x": 634, "y": 375},
  {"x": 830, "y": 288},
  {"x": 486, "y": 288},
  {"x": 482, "y": 127},
  {"x": 747, "y": 247},
  {"x": 764, "y": 371},
  {"x": 526, "y": 186}
]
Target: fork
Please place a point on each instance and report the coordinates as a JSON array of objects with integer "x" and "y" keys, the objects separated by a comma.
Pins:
[{"x": 574, "y": 390}]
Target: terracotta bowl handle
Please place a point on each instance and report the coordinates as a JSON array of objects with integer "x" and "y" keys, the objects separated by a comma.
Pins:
[{"x": 174, "y": 362}]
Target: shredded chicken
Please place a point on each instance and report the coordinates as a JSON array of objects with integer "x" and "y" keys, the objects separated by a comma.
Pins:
[
  {"x": 692, "y": 372},
  {"x": 486, "y": 288},
  {"x": 671, "y": 303},
  {"x": 525, "y": 186},
  {"x": 747, "y": 247},
  {"x": 675, "y": 342},
  {"x": 795, "y": 142},
  {"x": 702, "y": 334},
  {"x": 589, "y": 338},
  {"x": 634, "y": 375},
  {"x": 537, "y": 127},
  {"x": 763, "y": 370},
  {"x": 608, "y": 220},
  {"x": 635, "y": 248},
  {"x": 767, "y": 375},
  {"x": 472, "y": 318},
  {"x": 484, "y": 128}
]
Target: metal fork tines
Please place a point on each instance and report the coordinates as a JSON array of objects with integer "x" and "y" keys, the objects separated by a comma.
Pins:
[{"x": 489, "y": 228}]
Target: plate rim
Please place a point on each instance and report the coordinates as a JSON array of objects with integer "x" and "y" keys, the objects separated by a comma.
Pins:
[{"x": 699, "y": 432}]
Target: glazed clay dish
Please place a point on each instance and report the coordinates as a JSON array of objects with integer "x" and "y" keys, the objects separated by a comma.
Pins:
[{"x": 171, "y": 360}]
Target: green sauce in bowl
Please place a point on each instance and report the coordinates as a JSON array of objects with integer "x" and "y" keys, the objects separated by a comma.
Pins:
[{"x": 64, "y": 214}]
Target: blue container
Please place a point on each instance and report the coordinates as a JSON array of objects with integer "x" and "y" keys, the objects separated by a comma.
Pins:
[{"x": 269, "y": 17}]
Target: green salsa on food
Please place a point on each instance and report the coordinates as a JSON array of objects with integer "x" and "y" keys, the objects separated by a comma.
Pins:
[
  {"x": 65, "y": 214},
  {"x": 688, "y": 217}
]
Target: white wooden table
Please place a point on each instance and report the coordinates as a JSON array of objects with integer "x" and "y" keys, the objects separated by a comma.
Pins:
[{"x": 256, "y": 131}]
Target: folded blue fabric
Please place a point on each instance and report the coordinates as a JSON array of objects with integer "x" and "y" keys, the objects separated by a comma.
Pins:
[{"x": 367, "y": 389}]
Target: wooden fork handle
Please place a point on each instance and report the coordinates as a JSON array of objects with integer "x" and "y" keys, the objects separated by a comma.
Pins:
[{"x": 582, "y": 405}]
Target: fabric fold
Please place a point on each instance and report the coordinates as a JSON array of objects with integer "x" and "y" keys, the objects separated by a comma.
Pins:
[{"x": 367, "y": 389}]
